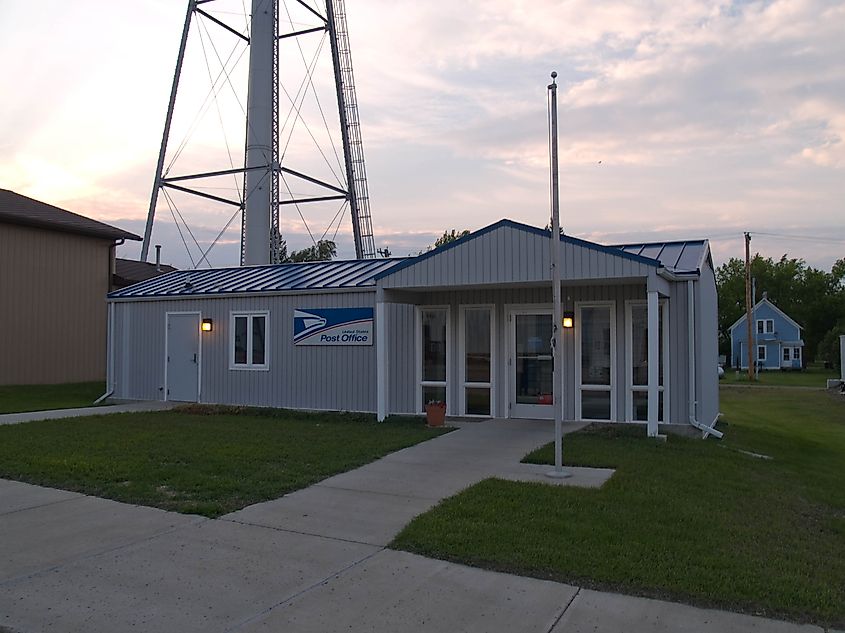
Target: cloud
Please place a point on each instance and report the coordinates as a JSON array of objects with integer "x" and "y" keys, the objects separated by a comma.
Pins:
[{"x": 704, "y": 114}]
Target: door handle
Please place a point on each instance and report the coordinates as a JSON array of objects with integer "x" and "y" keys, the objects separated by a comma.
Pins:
[{"x": 195, "y": 358}]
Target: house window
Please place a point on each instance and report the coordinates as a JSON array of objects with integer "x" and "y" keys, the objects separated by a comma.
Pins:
[
  {"x": 765, "y": 326},
  {"x": 761, "y": 352},
  {"x": 786, "y": 353},
  {"x": 433, "y": 357},
  {"x": 249, "y": 340},
  {"x": 796, "y": 354}
]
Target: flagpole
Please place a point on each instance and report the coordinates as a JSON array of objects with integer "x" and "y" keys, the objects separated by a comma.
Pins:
[{"x": 557, "y": 329}]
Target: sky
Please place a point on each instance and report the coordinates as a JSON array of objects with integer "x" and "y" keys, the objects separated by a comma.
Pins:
[{"x": 678, "y": 120}]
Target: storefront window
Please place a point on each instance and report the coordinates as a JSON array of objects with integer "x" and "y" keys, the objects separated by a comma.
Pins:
[
  {"x": 637, "y": 323},
  {"x": 434, "y": 354},
  {"x": 477, "y": 359},
  {"x": 597, "y": 338}
]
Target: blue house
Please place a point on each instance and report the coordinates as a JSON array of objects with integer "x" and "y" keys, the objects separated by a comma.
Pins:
[{"x": 777, "y": 339}]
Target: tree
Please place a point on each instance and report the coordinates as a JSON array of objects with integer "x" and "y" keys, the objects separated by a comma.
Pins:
[
  {"x": 323, "y": 251},
  {"x": 828, "y": 350},
  {"x": 450, "y": 236},
  {"x": 447, "y": 237},
  {"x": 812, "y": 297}
]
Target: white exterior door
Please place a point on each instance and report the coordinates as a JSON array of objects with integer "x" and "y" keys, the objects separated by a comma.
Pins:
[
  {"x": 183, "y": 357},
  {"x": 530, "y": 364}
]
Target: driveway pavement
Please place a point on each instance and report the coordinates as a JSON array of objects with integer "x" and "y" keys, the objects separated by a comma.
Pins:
[{"x": 314, "y": 560}]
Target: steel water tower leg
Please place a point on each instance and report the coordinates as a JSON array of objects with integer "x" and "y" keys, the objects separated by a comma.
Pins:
[
  {"x": 259, "y": 133},
  {"x": 148, "y": 230}
]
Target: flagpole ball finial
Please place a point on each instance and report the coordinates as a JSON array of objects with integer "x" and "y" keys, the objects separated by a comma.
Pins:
[{"x": 554, "y": 74}]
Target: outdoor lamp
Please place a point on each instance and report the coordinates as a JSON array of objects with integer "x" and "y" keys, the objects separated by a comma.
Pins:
[
  {"x": 207, "y": 325},
  {"x": 568, "y": 319}
]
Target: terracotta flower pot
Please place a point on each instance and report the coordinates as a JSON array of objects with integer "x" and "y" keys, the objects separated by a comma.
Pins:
[{"x": 435, "y": 414}]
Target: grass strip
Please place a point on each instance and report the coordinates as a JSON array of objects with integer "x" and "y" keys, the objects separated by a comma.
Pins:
[
  {"x": 684, "y": 520},
  {"x": 199, "y": 460},
  {"x": 22, "y": 398}
]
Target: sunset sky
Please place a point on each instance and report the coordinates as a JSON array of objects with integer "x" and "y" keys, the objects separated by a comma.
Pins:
[{"x": 677, "y": 119}]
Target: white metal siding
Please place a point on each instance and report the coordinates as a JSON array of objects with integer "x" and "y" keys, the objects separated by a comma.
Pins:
[
  {"x": 344, "y": 378},
  {"x": 308, "y": 377},
  {"x": 511, "y": 255},
  {"x": 707, "y": 347}
]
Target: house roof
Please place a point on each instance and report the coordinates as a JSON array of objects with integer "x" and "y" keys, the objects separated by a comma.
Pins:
[
  {"x": 18, "y": 209},
  {"x": 774, "y": 307},
  {"x": 131, "y": 271},
  {"x": 271, "y": 278}
]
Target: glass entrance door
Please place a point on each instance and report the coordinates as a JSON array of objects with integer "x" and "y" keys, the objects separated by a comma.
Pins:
[{"x": 531, "y": 365}]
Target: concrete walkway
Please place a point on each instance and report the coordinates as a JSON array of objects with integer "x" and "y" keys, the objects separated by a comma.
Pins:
[
  {"x": 31, "y": 416},
  {"x": 313, "y": 560}
]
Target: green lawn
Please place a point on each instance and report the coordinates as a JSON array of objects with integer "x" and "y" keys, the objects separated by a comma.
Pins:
[
  {"x": 689, "y": 520},
  {"x": 20, "y": 398},
  {"x": 813, "y": 376},
  {"x": 207, "y": 464}
]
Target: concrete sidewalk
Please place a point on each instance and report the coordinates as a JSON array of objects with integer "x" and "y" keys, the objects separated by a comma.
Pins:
[
  {"x": 132, "y": 407},
  {"x": 313, "y": 560}
]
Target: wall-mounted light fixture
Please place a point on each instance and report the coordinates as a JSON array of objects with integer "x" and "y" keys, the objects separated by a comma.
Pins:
[
  {"x": 207, "y": 325},
  {"x": 568, "y": 319}
]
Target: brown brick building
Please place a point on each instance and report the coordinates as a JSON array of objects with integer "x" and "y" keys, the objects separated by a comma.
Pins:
[{"x": 55, "y": 270}]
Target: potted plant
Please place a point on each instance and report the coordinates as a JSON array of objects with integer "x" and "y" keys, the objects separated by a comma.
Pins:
[{"x": 435, "y": 413}]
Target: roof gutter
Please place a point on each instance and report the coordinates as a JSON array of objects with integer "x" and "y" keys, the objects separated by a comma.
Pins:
[
  {"x": 671, "y": 276},
  {"x": 693, "y": 401}
]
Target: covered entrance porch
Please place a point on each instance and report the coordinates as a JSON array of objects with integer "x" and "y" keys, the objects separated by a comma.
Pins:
[{"x": 471, "y": 324}]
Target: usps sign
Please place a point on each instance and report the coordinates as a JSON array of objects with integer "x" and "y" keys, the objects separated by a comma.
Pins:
[{"x": 333, "y": 326}]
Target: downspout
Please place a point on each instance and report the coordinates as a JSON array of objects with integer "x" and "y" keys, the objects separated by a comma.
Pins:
[
  {"x": 693, "y": 401},
  {"x": 109, "y": 357},
  {"x": 110, "y": 326}
]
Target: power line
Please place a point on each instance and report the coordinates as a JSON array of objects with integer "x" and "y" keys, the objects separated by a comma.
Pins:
[{"x": 809, "y": 238}]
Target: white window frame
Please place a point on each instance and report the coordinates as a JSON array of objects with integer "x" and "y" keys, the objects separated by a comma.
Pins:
[
  {"x": 462, "y": 381},
  {"x": 765, "y": 326},
  {"x": 249, "y": 365},
  {"x": 579, "y": 305},
  {"x": 420, "y": 383},
  {"x": 630, "y": 387},
  {"x": 761, "y": 359},
  {"x": 796, "y": 354},
  {"x": 787, "y": 354}
]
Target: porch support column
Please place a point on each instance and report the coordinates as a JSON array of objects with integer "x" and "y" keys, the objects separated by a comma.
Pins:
[
  {"x": 381, "y": 362},
  {"x": 653, "y": 362}
]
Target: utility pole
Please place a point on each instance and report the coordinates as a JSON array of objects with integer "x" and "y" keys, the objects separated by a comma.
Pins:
[
  {"x": 754, "y": 325},
  {"x": 748, "y": 305}
]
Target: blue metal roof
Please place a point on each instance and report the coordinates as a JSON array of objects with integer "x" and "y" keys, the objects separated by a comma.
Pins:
[
  {"x": 678, "y": 257},
  {"x": 273, "y": 278}
]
